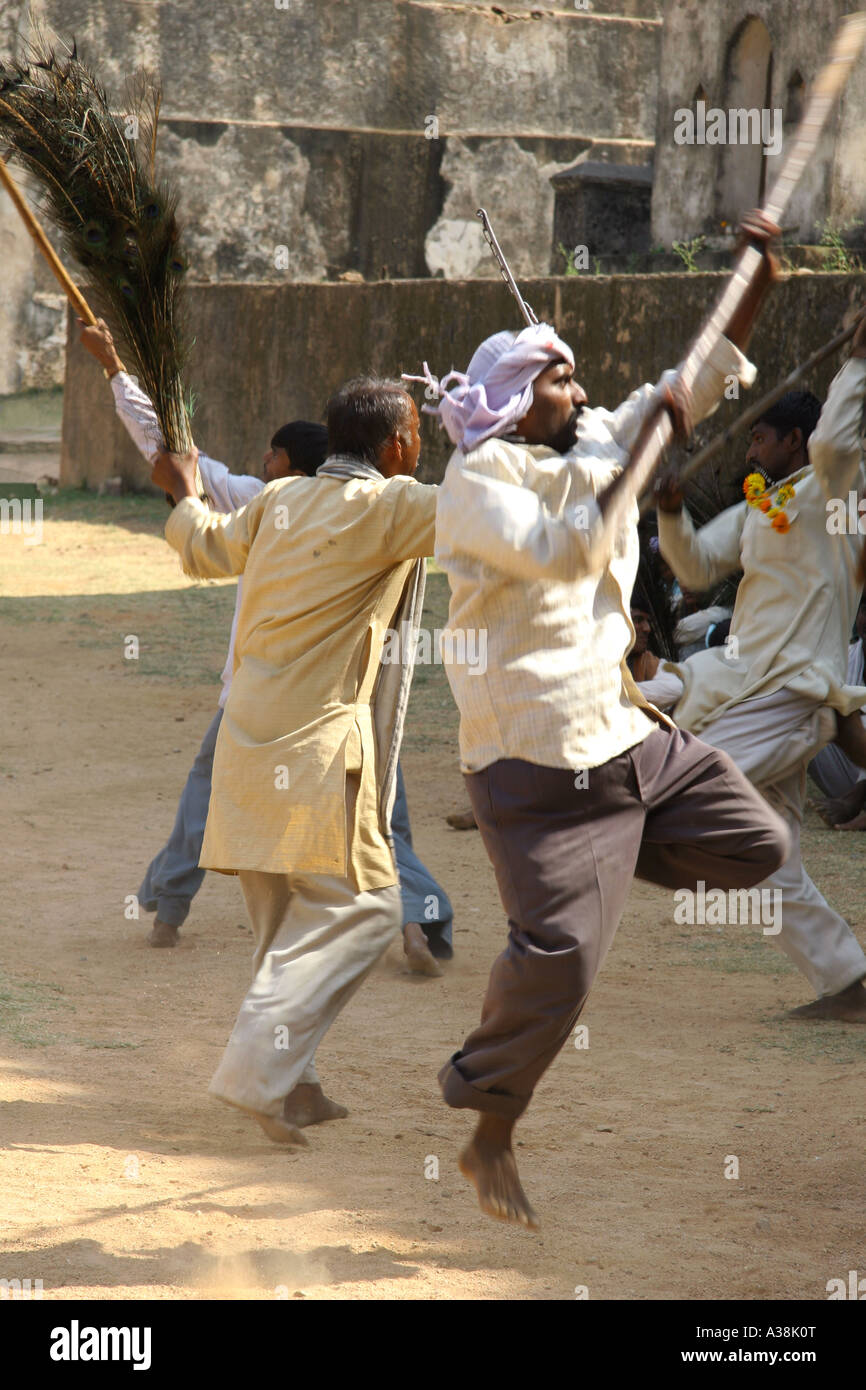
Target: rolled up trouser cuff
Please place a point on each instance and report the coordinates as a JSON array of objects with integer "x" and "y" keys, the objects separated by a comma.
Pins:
[{"x": 458, "y": 1093}]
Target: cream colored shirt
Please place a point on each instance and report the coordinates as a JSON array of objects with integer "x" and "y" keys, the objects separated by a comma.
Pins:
[
  {"x": 518, "y": 532},
  {"x": 798, "y": 596},
  {"x": 325, "y": 563}
]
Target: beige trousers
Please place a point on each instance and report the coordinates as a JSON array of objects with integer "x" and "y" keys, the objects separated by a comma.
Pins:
[
  {"x": 771, "y": 739},
  {"x": 316, "y": 939}
]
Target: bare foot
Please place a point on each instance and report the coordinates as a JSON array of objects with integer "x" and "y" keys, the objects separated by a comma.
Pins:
[
  {"x": 488, "y": 1162},
  {"x": 462, "y": 820},
  {"x": 307, "y": 1104},
  {"x": 162, "y": 934},
  {"x": 419, "y": 958},
  {"x": 849, "y": 1006},
  {"x": 275, "y": 1128},
  {"x": 858, "y": 823}
]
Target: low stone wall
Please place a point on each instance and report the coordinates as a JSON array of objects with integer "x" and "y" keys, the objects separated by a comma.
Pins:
[{"x": 265, "y": 354}]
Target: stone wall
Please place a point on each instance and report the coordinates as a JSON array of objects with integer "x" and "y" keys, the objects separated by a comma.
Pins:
[
  {"x": 265, "y": 354},
  {"x": 317, "y": 138},
  {"x": 697, "y": 187}
]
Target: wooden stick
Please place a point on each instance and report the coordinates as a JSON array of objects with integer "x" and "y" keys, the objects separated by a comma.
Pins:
[
  {"x": 73, "y": 294},
  {"x": 755, "y": 412}
]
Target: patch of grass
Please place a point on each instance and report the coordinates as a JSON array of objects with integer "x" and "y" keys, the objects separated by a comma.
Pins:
[
  {"x": 183, "y": 633},
  {"x": 815, "y": 1042},
  {"x": 32, "y": 410},
  {"x": 133, "y": 511},
  {"x": 733, "y": 952},
  {"x": 22, "y": 1005}
]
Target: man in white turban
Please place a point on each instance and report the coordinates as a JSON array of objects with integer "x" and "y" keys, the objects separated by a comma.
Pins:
[{"x": 576, "y": 782}]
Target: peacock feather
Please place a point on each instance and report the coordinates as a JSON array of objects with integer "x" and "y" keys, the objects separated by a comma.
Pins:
[{"x": 95, "y": 169}]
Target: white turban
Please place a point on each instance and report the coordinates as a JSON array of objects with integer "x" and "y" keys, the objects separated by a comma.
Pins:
[{"x": 496, "y": 390}]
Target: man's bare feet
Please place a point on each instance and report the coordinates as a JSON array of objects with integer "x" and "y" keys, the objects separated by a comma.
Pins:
[
  {"x": 858, "y": 823},
  {"x": 419, "y": 958},
  {"x": 489, "y": 1163},
  {"x": 838, "y": 809},
  {"x": 275, "y": 1128},
  {"x": 849, "y": 1006},
  {"x": 462, "y": 820},
  {"x": 163, "y": 934},
  {"x": 307, "y": 1104}
]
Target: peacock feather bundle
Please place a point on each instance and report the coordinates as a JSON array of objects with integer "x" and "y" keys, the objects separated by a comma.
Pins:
[{"x": 96, "y": 172}]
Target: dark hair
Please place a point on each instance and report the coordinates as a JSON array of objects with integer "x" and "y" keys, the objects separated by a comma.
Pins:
[
  {"x": 364, "y": 413},
  {"x": 305, "y": 443},
  {"x": 795, "y": 410}
]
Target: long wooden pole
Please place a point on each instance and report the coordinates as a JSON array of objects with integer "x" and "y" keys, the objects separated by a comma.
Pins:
[
  {"x": 34, "y": 227},
  {"x": 73, "y": 294}
]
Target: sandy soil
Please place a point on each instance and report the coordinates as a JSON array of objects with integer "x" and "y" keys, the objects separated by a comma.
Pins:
[{"x": 122, "y": 1179}]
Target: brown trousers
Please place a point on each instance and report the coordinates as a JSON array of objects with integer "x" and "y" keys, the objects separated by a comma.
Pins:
[{"x": 670, "y": 810}]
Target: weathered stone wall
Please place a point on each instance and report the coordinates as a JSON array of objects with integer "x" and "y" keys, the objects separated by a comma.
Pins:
[
  {"x": 309, "y": 125},
  {"x": 690, "y": 181},
  {"x": 265, "y": 354}
]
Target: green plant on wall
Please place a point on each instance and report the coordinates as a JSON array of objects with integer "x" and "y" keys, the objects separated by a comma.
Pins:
[
  {"x": 688, "y": 250},
  {"x": 839, "y": 257}
]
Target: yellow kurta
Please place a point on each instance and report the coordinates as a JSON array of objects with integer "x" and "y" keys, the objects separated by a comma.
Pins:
[{"x": 325, "y": 563}]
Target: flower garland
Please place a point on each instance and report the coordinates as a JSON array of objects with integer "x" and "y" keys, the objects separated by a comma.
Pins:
[{"x": 757, "y": 496}]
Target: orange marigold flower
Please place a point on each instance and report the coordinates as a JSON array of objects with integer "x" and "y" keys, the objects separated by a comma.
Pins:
[
  {"x": 781, "y": 523},
  {"x": 753, "y": 485},
  {"x": 764, "y": 503}
]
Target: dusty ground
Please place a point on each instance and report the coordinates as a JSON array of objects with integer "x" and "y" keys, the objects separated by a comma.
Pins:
[{"x": 120, "y": 1177}]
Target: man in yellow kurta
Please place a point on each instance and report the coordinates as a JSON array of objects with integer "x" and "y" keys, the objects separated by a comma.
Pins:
[{"x": 305, "y": 761}]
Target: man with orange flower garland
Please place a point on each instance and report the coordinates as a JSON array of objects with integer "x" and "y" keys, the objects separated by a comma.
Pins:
[{"x": 775, "y": 693}]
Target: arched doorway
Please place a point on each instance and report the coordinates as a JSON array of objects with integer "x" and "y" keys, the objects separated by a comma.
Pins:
[{"x": 747, "y": 86}]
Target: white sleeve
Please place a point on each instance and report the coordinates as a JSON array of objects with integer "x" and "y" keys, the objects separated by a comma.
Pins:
[
  {"x": 834, "y": 447},
  {"x": 700, "y": 558},
  {"x": 509, "y": 528},
  {"x": 227, "y": 491},
  {"x": 724, "y": 365},
  {"x": 135, "y": 409}
]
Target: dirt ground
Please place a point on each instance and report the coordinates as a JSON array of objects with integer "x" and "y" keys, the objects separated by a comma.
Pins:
[{"x": 122, "y": 1179}]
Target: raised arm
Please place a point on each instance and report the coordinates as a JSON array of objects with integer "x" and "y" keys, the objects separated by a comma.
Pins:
[
  {"x": 834, "y": 447},
  {"x": 133, "y": 406},
  {"x": 225, "y": 490},
  {"x": 725, "y": 364},
  {"x": 508, "y": 527}
]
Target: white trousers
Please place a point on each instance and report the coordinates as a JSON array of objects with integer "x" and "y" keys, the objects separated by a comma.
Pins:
[
  {"x": 316, "y": 939},
  {"x": 771, "y": 740}
]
